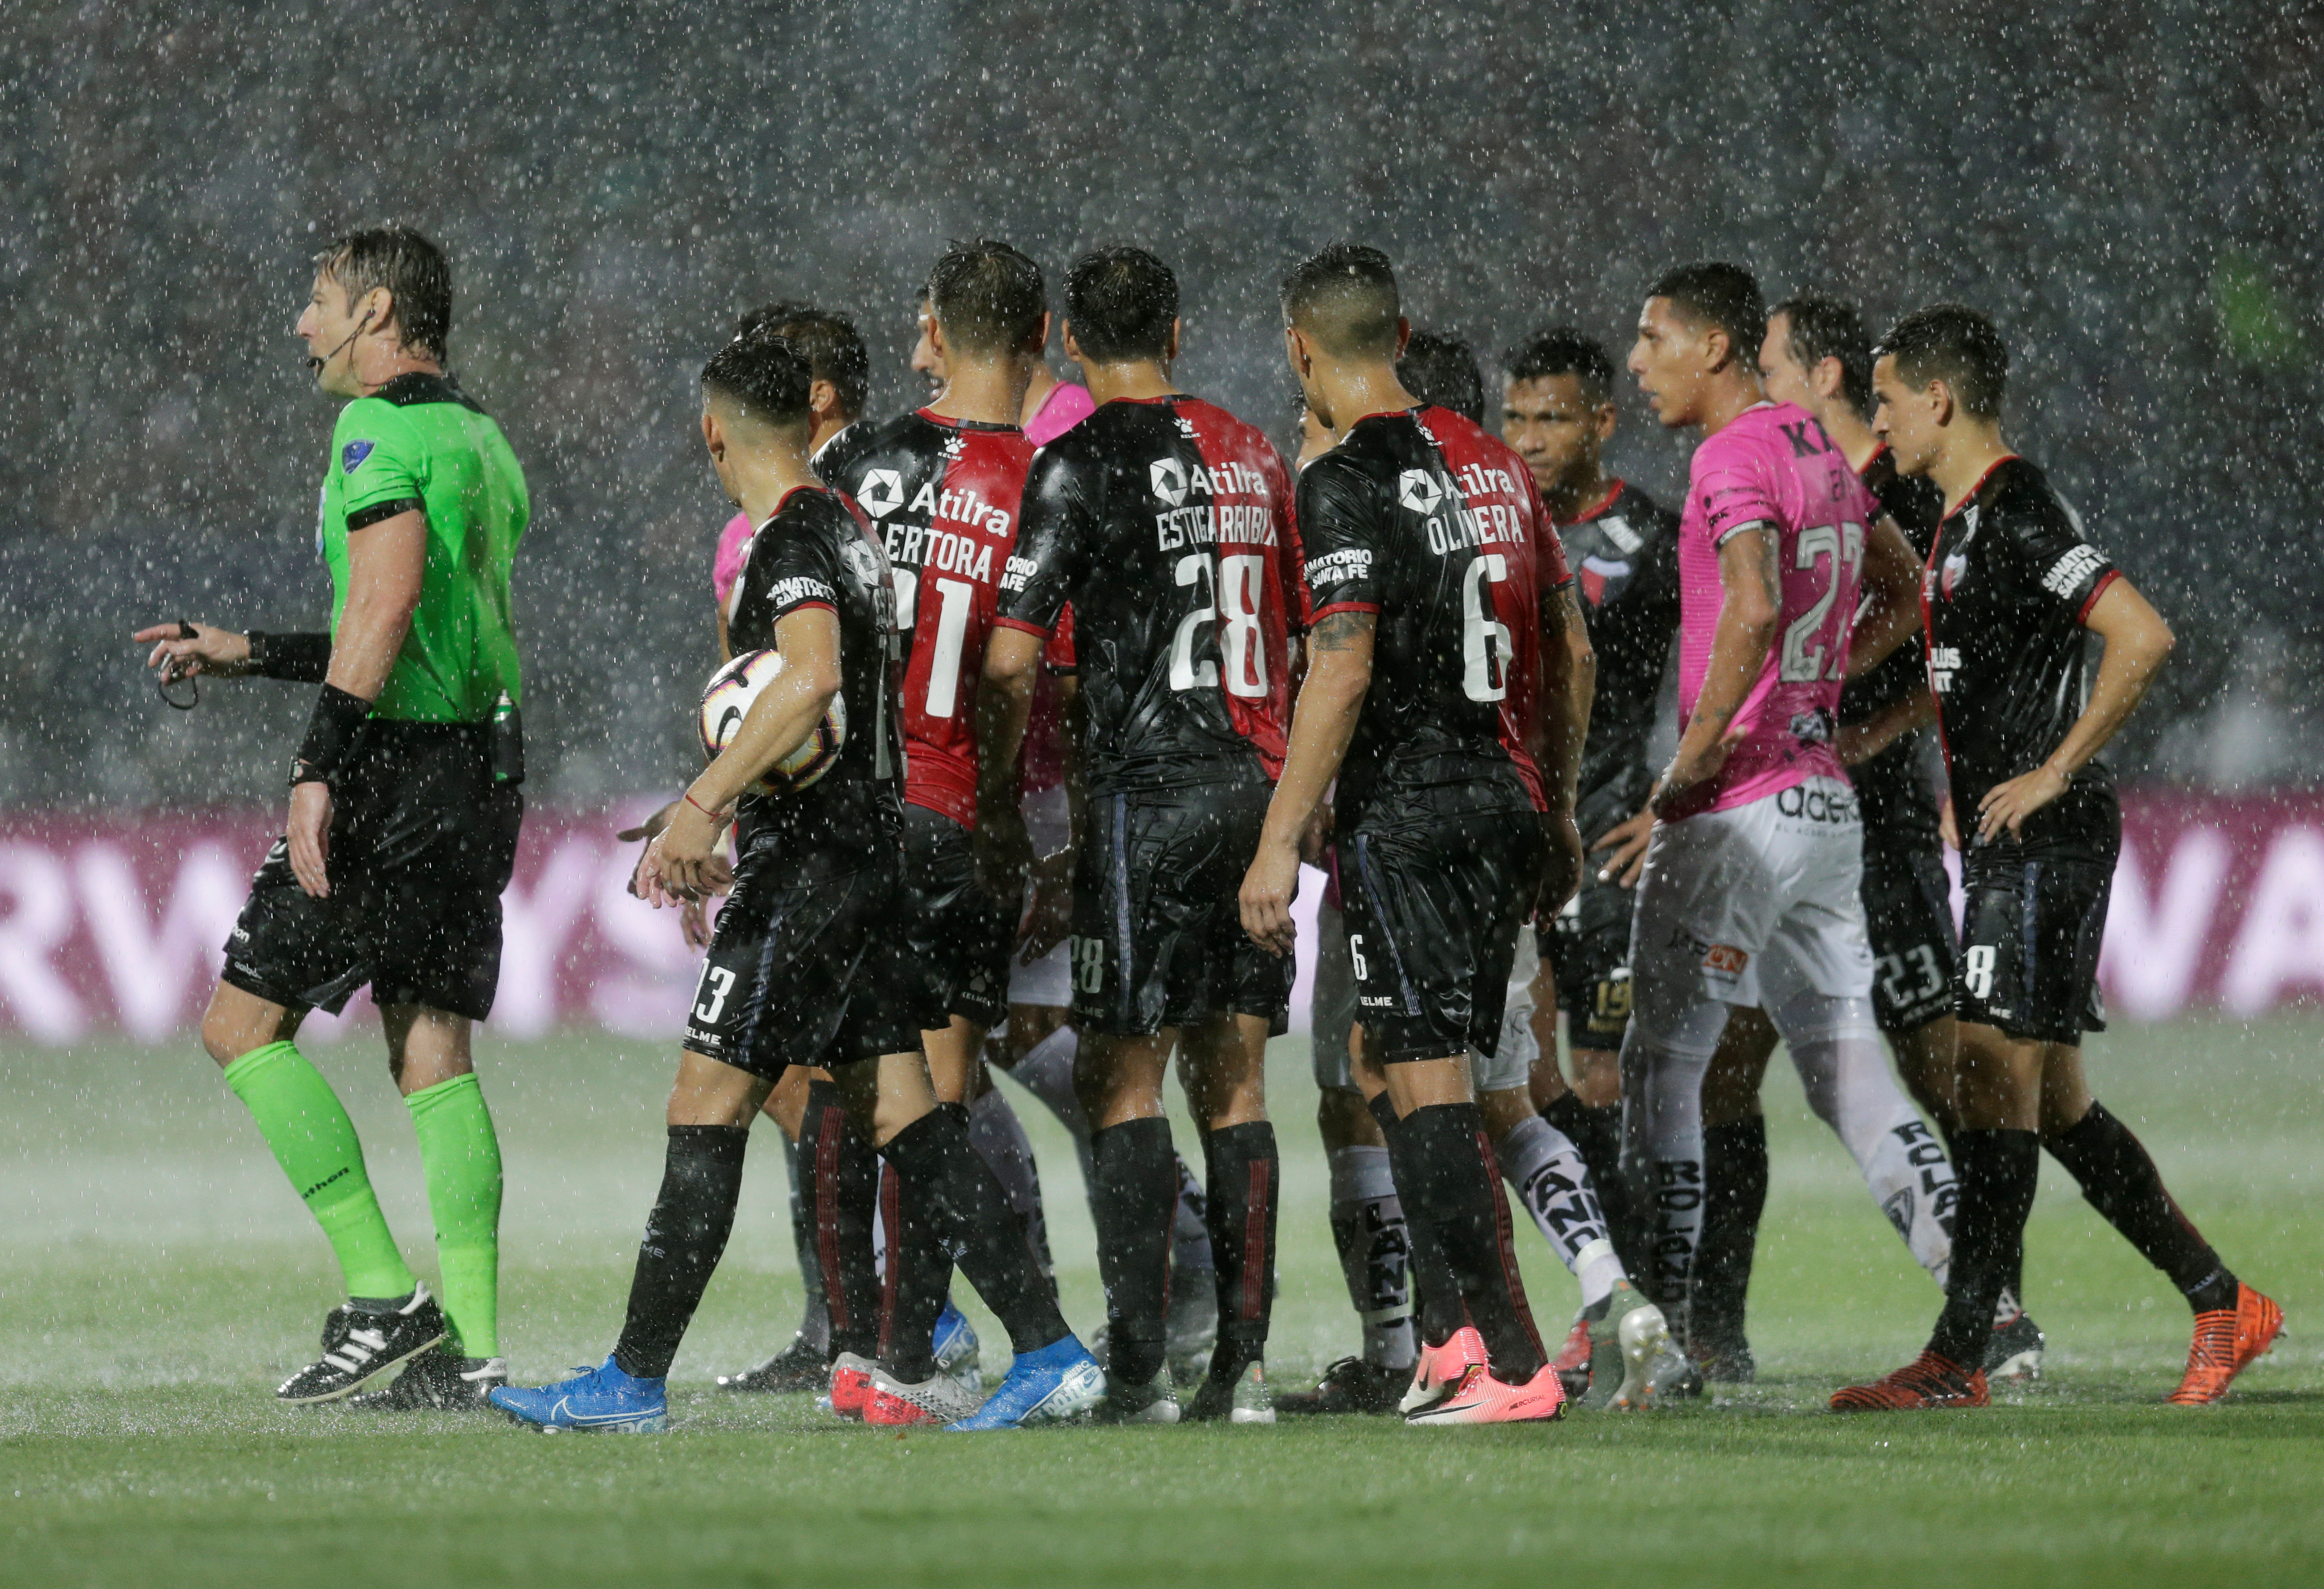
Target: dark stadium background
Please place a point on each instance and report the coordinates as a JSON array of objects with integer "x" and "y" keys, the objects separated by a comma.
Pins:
[{"x": 2135, "y": 190}]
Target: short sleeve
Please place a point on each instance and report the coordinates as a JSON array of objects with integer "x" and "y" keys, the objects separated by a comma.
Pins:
[
  {"x": 789, "y": 568},
  {"x": 1549, "y": 567},
  {"x": 1340, "y": 531},
  {"x": 1298, "y": 598},
  {"x": 382, "y": 469},
  {"x": 1730, "y": 491},
  {"x": 2054, "y": 560},
  {"x": 1055, "y": 528},
  {"x": 1058, "y": 655}
]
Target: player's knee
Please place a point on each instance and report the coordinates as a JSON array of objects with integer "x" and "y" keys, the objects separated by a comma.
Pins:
[{"x": 236, "y": 1023}]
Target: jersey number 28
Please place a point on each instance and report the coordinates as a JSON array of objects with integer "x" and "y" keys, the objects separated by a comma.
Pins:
[{"x": 1239, "y": 580}]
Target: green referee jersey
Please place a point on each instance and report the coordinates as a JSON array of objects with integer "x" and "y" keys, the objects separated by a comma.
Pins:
[{"x": 421, "y": 442}]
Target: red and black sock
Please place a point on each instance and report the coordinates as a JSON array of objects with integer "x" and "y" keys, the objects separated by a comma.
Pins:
[
  {"x": 845, "y": 1172},
  {"x": 1461, "y": 1187},
  {"x": 2119, "y": 1179},
  {"x": 1735, "y": 1194},
  {"x": 686, "y": 1235},
  {"x": 963, "y": 1202},
  {"x": 1434, "y": 1290},
  {"x": 1136, "y": 1202},
  {"x": 1998, "y": 1172},
  {"x": 1243, "y": 1175}
]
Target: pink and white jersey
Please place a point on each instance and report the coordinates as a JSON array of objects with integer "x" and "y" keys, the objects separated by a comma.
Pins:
[{"x": 1774, "y": 464}]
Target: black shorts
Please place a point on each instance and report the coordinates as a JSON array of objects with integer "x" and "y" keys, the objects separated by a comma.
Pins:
[
  {"x": 807, "y": 967},
  {"x": 2029, "y": 938},
  {"x": 1433, "y": 903},
  {"x": 1158, "y": 931},
  {"x": 422, "y": 841},
  {"x": 1589, "y": 945},
  {"x": 1908, "y": 915},
  {"x": 957, "y": 933}
]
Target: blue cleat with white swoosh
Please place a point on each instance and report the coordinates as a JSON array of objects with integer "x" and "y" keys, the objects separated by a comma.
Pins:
[{"x": 601, "y": 1399}]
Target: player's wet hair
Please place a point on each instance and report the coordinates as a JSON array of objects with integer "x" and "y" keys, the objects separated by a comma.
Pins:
[
  {"x": 988, "y": 297},
  {"x": 1561, "y": 350},
  {"x": 1441, "y": 370},
  {"x": 1121, "y": 303},
  {"x": 1824, "y": 328},
  {"x": 1714, "y": 294},
  {"x": 1345, "y": 298},
  {"x": 833, "y": 346},
  {"x": 414, "y": 272},
  {"x": 1954, "y": 344},
  {"x": 769, "y": 374}
]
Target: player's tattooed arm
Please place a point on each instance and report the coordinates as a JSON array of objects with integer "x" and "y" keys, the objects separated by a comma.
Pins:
[
  {"x": 1331, "y": 701},
  {"x": 1750, "y": 573}
]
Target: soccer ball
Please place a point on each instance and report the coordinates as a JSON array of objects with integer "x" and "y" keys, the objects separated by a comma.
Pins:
[{"x": 726, "y": 700}]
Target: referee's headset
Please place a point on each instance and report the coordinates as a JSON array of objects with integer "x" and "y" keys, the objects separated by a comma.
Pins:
[{"x": 316, "y": 364}]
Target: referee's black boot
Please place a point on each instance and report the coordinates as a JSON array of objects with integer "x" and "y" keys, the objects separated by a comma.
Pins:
[{"x": 358, "y": 1344}]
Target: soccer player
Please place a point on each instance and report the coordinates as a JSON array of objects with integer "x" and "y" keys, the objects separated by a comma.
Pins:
[
  {"x": 2013, "y": 590},
  {"x": 1557, "y": 413},
  {"x": 800, "y": 970},
  {"x": 1167, "y": 523},
  {"x": 1749, "y": 891},
  {"x": 1444, "y": 696},
  {"x": 404, "y": 807},
  {"x": 942, "y": 486},
  {"x": 1818, "y": 358}
]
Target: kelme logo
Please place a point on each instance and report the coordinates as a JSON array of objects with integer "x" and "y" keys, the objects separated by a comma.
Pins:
[{"x": 351, "y": 454}]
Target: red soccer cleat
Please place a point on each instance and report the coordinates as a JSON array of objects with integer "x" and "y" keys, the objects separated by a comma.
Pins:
[
  {"x": 1480, "y": 1399},
  {"x": 2226, "y": 1342},
  {"x": 1923, "y": 1385},
  {"x": 851, "y": 1385},
  {"x": 1440, "y": 1368}
]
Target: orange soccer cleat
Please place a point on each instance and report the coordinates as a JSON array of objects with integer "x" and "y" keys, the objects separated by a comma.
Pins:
[
  {"x": 2228, "y": 1341},
  {"x": 1441, "y": 1368},
  {"x": 1922, "y": 1385},
  {"x": 1573, "y": 1360},
  {"x": 851, "y": 1385},
  {"x": 1478, "y": 1398}
]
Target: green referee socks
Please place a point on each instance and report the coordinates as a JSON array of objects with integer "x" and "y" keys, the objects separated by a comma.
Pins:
[
  {"x": 314, "y": 1143},
  {"x": 463, "y": 1158}
]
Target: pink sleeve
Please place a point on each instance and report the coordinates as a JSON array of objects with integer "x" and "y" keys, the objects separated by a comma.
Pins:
[
  {"x": 1732, "y": 483},
  {"x": 728, "y": 565},
  {"x": 1067, "y": 405}
]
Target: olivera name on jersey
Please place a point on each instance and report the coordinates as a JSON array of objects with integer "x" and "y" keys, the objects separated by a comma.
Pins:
[{"x": 1456, "y": 518}]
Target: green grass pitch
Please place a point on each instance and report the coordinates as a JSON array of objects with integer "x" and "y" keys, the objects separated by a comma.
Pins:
[{"x": 157, "y": 1278}]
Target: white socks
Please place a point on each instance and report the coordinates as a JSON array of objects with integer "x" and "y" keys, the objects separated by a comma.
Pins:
[
  {"x": 1374, "y": 1253},
  {"x": 1546, "y": 1169}
]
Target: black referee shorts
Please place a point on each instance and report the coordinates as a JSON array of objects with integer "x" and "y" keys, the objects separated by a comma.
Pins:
[
  {"x": 422, "y": 841},
  {"x": 2030, "y": 939},
  {"x": 807, "y": 967},
  {"x": 1158, "y": 931},
  {"x": 1433, "y": 903},
  {"x": 956, "y": 931}
]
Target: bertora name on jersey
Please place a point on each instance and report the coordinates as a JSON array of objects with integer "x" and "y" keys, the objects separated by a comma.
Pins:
[{"x": 924, "y": 545}]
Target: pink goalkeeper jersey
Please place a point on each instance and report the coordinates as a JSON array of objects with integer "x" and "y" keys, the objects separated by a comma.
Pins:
[
  {"x": 1774, "y": 464},
  {"x": 1067, "y": 405},
  {"x": 726, "y": 568}
]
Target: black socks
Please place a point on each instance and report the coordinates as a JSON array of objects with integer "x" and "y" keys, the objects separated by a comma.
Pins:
[
  {"x": 1735, "y": 1194},
  {"x": 1434, "y": 1290},
  {"x": 1998, "y": 1170},
  {"x": 2119, "y": 1181},
  {"x": 845, "y": 1173},
  {"x": 1135, "y": 1201},
  {"x": 1460, "y": 1189},
  {"x": 686, "y": 1233},
  {"x": 1243, "y": 1176},
  {"x": 814, "y": 1322},
  {"x": 945, "y": 1184}
]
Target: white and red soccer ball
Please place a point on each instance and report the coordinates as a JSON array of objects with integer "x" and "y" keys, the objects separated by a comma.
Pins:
[{"x": 727, "y": 699}]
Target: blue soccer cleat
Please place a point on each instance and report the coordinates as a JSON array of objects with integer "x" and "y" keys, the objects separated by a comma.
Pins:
[
  {"x": 1057, "y": 1383},
  {"x": 956, "y": 1348},
  {"x": 599, "y": 1398}
]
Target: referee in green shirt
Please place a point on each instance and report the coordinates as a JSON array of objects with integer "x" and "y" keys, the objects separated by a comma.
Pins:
[{"x": 404, "y": 807}]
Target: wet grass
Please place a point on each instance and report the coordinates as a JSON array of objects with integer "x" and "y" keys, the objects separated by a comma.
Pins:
[{"x": 158, "y": 1280}]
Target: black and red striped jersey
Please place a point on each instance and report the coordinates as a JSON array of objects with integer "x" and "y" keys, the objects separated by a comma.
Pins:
[
  {"x": 1167, "y": 525},
  {"x": 1422, "y": 518},
  {"x": 943, "y": 496}
]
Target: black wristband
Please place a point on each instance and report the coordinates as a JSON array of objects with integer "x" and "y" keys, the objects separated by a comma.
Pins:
[
  {"x": 332, "y": 736},
  {"x": 303, "y": 658}
]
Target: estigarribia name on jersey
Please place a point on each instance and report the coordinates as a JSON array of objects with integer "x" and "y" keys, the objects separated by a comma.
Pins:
[
  {"x": 818, "y": 551},
  {"x": 1167, "y": 523},
  {"x": 943, "y": 496},
  {"x": 1422, "y": 518},
  {"x": 2009, "y": 584}
]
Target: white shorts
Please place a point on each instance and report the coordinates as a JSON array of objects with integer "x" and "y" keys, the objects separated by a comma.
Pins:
[
  {"x": 1754, "y": 905},
  {"x": 1512, "y": 1067}
]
